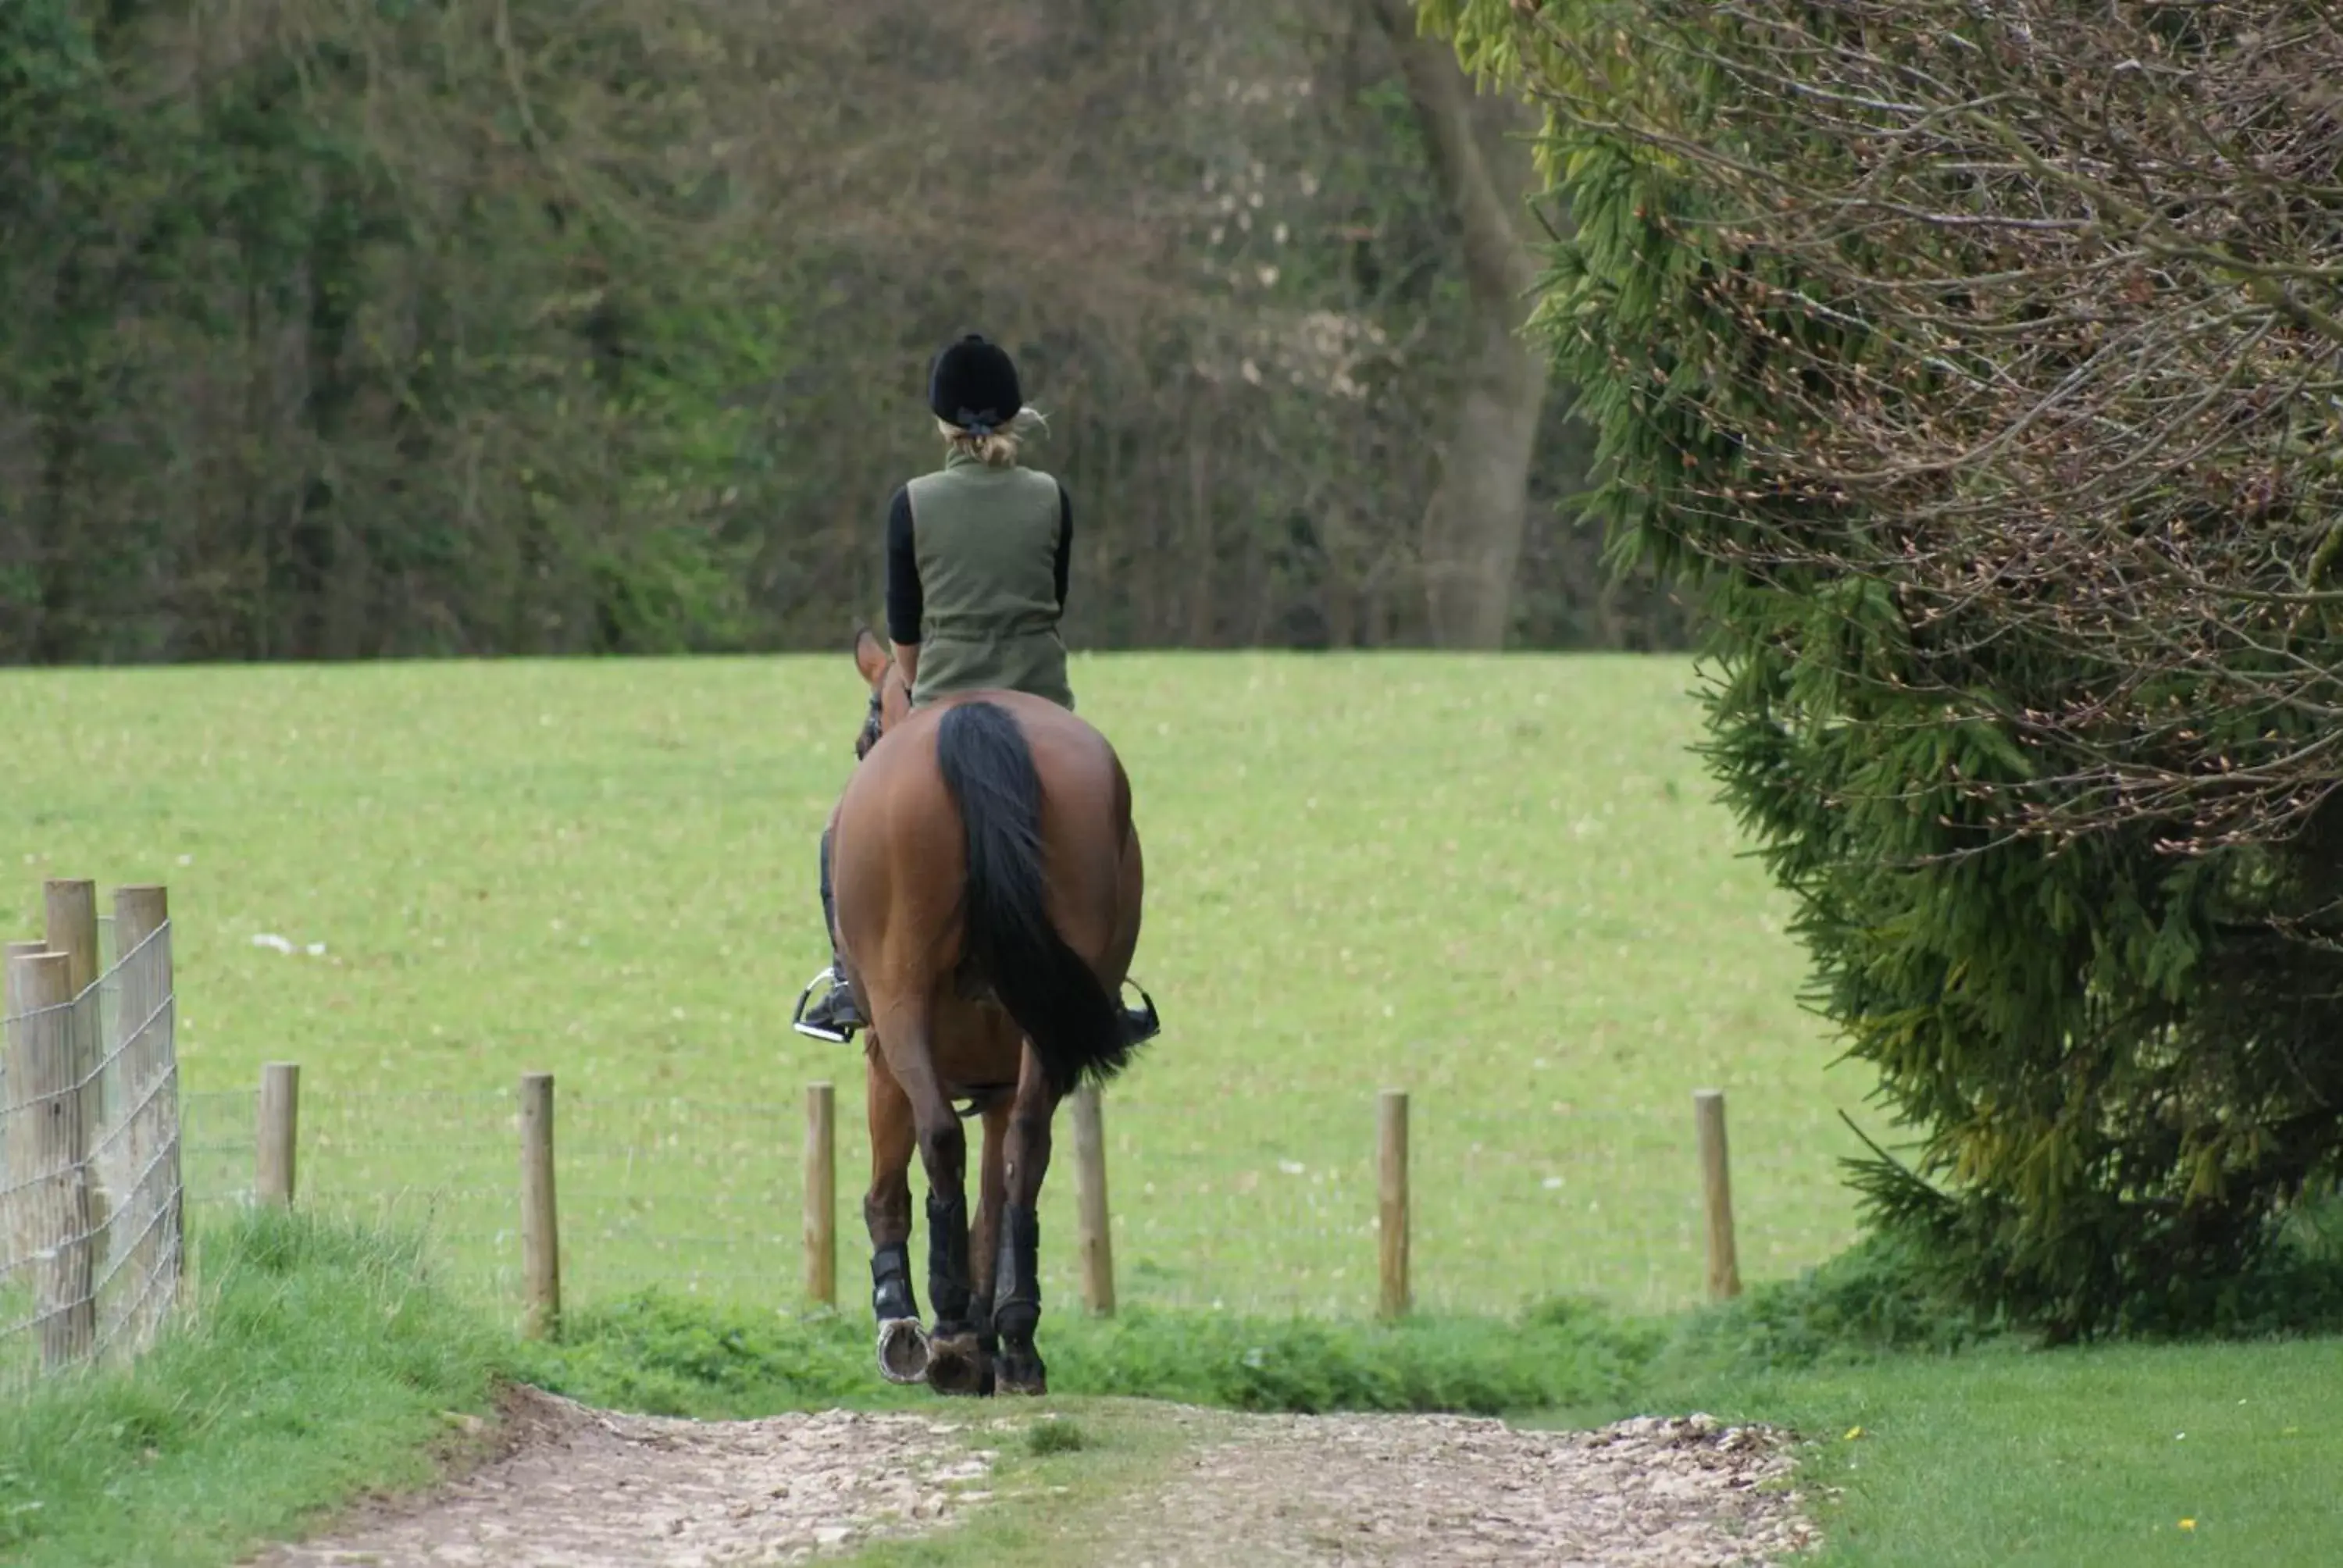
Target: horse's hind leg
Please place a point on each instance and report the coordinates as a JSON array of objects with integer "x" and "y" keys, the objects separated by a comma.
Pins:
[
  {"x": 984, "y": 1235},
  {"x": 887, "y": 1210},
  {"x": 1017, "y": 1288}
]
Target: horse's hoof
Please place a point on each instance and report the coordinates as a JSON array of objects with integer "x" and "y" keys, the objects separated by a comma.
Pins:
[
  {"x": 903, "y": 1351},
  {"x": 1021, "y": 1375},
  {"x": 956, "y": 1364}
]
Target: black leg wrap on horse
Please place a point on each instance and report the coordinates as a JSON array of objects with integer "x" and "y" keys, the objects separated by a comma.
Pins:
[
  {"x": 891, "y": 1284},
  {"x": 1017, "y": 1295},
  {"x": 947, "y": 1285}
]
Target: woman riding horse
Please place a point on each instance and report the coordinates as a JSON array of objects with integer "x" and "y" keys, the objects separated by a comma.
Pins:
[
  {"x": 987, "y": 895},
  {"x": 977, "y": 557}
]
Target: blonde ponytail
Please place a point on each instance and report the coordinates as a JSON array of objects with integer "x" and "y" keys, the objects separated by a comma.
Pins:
[{"x": 993, "y": 448}]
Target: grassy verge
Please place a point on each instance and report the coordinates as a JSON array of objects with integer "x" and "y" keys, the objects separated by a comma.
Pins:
[
  {"x": 669, "y": 1357},
  {"x": 2126, "y": 1456},
  {"x": 661, "y": 1354},
  {"x": 320, "y": 1363},
  {"x": 1866, "y": 1308}
]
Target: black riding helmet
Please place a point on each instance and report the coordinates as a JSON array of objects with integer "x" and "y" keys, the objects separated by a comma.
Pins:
[{"x": 973, "y": 385}]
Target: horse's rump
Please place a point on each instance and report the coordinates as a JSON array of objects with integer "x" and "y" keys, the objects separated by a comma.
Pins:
[{"x": 1002, "y": 821}]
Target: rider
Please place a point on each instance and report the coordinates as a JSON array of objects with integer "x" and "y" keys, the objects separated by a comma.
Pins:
[{"x": 976, "y": 556}]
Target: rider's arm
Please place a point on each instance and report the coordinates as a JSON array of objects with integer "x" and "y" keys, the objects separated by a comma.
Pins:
[
  {"x": 1065, "y": 540},
  {"x": 904, "y": 598}
]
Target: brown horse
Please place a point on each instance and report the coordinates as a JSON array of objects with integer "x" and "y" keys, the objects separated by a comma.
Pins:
[{"x": 988, "y": 884}]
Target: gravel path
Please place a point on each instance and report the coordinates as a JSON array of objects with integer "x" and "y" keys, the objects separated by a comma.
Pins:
[
  {"x": 581, "y": 1488},
  {"x": 1682, "y": 1493}
]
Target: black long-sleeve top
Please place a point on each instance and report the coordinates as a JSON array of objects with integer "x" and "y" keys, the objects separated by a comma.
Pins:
[{"x": 905, "y": 601}]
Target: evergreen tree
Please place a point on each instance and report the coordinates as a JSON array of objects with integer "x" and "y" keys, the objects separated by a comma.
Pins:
[{"x": 2024, "y": 661}]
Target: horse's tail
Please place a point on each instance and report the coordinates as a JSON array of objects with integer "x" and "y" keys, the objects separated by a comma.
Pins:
[{"x": 1076, "y": 1025}]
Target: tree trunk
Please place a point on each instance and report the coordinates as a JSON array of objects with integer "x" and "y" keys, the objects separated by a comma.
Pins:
[{"x": 1471, "y": 538}]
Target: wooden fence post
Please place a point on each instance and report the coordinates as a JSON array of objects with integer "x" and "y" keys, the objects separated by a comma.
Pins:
[
  {"x": 18, "y": 1172},
  {"x": 15, "y": 950},
  {"x": 821, "y": 1194},
  {"x": 1391, "y": 1220},
  {"x": 148, "y": 1051},
  {"x": 1094, "y": 1237},
  {"x": 1716, "y": 1194},
  {"x": 143, "y": 960},
  {"x": 280, "y": 1117},
  {"x": 70, "y": 908},
  {"x": 540, "y": 1227},
  {"x": 48, "y": 1122}
]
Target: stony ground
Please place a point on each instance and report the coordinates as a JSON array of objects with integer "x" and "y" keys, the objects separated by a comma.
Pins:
[
  {"x": 583, "y": 1488},
  {"x": 1684, "y": 1492},
  {"x": 587, "y": 1489}
]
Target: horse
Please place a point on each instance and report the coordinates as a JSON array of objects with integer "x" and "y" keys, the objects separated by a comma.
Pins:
[{"x": 988, "y": 883}]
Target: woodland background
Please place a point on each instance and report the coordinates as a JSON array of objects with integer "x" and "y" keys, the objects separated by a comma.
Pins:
[{"x": 358, "y": 328}]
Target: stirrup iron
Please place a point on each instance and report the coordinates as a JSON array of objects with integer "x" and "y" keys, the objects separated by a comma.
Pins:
[
  {"x": 1141, "y": 1023},
  {"x": 816, "y": 1031}
]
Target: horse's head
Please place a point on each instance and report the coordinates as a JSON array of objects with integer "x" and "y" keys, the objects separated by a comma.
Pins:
[{"x": 890, "y": 695}]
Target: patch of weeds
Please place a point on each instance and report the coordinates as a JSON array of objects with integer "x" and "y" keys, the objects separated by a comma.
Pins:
[
  {"x": 1055, "y": 1434},
  {"x": 664, "y": 1355}
]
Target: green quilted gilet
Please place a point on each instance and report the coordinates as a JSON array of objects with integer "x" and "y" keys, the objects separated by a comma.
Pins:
[{"x": 987, "y": 543}]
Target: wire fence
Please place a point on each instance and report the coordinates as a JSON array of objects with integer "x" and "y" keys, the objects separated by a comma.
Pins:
[
  {"x": 705, "y": 1199},
  {"x": 699, "y": 1197},
  {"x": 90, "y": 1172},
  {"x": 105, "y": 1168}
]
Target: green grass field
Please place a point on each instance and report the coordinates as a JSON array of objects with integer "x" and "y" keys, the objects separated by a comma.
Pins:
[{"x": 1500, "y": 884}]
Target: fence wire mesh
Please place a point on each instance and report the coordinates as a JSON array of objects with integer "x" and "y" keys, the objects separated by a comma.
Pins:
[
  {"x": 90, "y": 1167},
  {"x": 106, "y": 1165},
  {"x": 698, "y": 1197},
  {"x": 1509, "y": 1205}
]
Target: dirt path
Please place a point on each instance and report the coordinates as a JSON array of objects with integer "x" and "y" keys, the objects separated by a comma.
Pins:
[
  {"x": 581, "y": 1488},
  {"x": 1684, "y": 1492}
]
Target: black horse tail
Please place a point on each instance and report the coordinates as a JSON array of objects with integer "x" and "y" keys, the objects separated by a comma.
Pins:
[{"x": 1075, "y": 1024}]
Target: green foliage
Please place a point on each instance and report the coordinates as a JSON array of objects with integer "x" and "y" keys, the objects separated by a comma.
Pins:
[
  {"x": 2120, "y": 1065},
  {"x": 658, "y": 1353},
  {"x": 319, "y": 1361},
  {"x": 1877, "y": 1299},
  {"x": 1883, "y": 1300},
  {"x": 462, "y": 397},
  {"x": 661, "y": 1354},
  {"x": 1475, "y": 1366}
]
